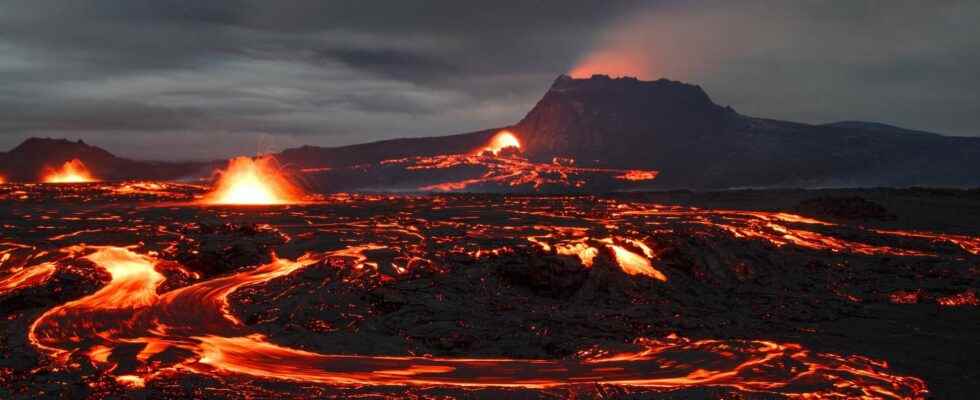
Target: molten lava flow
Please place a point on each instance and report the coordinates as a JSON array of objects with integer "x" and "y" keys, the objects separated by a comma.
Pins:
[
  {"x": 151, "y": 319},
  {"x": 502, "y": 140},
  {"x": 631, "y": 263},
  {"x": 73, "y": 171},
  {"x": 25, "y": 277},
  {"x": 195, "y": 321},
  {"x": 967, "y": 243},
  {"x": 635, "y": 264},
  {"x": 249, "y": 181},
  {"x": 2, "y": 180},
  {"x": 658, "y": 363}
]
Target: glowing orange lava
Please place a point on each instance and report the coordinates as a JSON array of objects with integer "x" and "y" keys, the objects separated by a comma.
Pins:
[
  {"x": 638, "y": 175},
  {"x": 631, "y": 263},
  {"x": 24, "y": 277},
  {"x": 502, "y": 140},
  {"x": 2, "y": 180},
  {"x": 257, "y": 181},
  {"x": 635, "y": 264},
  {"x": 196, "y": 320},
  {"x": 73, "y": 171},
  {"x": 612, "y": 62},
  {"x": 967, "y": 298}
]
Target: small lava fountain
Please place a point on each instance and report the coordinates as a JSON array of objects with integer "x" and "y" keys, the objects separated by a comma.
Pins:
[
  {"x": 73, "y": 171},
  {"x": 502, "y": 140},
  {"x": 249, "y": 181}
]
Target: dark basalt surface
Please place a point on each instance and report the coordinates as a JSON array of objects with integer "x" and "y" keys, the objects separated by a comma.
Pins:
[{"x": 474, "y": 285}]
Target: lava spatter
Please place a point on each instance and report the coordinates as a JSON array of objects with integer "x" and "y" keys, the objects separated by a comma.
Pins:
[
  {"x": 502, "y": 140},
  {"x": 258, "y": 181},
  {"x": 72, "y": 171}
]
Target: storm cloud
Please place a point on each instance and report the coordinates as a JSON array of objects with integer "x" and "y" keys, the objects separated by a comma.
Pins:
[{"x": 168, "y": 79}]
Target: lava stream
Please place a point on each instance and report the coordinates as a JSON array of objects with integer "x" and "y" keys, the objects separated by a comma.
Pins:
[
  {"x": 25, "y": 277},
  {"x": 192, "y": 329}
]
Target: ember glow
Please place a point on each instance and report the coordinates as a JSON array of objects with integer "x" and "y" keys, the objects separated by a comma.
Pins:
[
  {"x": 72, "y": 171},
  {"x": 613, "y": 62},
  {"x": 258, "y": 181},
  {"x": 497, "y": 165}
]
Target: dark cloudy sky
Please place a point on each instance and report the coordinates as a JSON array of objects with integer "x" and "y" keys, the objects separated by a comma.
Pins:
[{"x": 193, "y": 79}]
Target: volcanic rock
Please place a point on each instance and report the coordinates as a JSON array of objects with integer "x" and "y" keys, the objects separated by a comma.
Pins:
[{"x": 847, "y": 208}]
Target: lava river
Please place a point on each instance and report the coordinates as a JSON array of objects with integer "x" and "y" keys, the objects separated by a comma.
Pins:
[{"x": 132, "y": 332}]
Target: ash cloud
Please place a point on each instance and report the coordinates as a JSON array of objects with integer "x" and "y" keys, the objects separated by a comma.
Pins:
[
  {"x": 905, "y": 63},
  {"x": 188, "y": 79}
]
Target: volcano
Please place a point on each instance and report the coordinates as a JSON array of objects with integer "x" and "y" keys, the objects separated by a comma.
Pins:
[
  {"x": 595, "y": 125},
  {"x": 676, "y": 128},
  {"x": 35, "y": 157},
  {"x": 160, "y": 289}
]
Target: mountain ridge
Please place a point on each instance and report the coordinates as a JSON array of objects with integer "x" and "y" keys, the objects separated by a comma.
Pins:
[{"x": 664, "y": 125}]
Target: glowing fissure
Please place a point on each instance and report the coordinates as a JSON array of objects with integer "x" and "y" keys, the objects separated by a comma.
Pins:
[
  {"x": 72, "y": 171},
  {"x": 776, "y": 229},
  {"x": 127, "y": 311},
  {"x": 511, "y": 169},
  {"x": 967, "y": 243},
  {"x": 248, "y": 181}
]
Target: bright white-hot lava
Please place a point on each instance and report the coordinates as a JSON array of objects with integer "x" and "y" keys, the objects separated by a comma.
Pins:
[
  {"x": 73, "y": 171},
  {"x": 257, "y": 181},
  {"x": 502, "y": 140}
]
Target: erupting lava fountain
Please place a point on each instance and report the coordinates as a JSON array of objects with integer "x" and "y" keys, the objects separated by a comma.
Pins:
[
  {"x": 73, "y": 171},
  {"x": 258, "y": 181},
  {"x": 502, "y": 140}
]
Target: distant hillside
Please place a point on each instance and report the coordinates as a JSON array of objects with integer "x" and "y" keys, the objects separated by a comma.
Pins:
[
  {"x": 367, "y": 153},
  {"x": 26, "y": 162}
]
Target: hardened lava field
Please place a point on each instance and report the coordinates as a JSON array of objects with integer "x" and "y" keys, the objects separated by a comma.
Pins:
[{"x": 135, "y": 290}]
